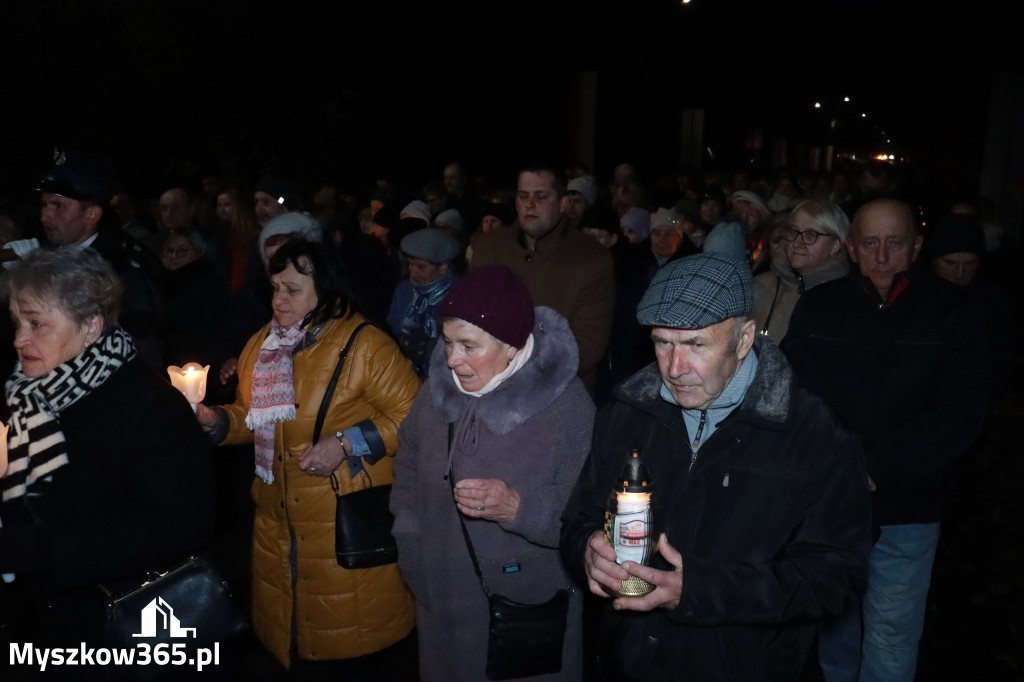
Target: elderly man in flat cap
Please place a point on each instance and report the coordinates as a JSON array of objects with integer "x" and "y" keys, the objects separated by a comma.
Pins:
[{"x": 760, "y": 502}]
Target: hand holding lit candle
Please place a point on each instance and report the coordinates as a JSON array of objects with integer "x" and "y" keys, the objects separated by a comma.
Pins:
[{"x": 190, "y": 380}]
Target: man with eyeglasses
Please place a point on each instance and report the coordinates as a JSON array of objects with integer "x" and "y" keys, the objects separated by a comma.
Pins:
[{"x": 903, "y": 359}]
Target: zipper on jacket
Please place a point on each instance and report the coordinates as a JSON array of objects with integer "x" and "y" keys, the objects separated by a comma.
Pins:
[
  {"x": 800, "y": 286},
  {"x": 696, "y": 438}
]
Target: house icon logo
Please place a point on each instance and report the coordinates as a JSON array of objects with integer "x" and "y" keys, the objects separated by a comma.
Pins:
[{"x": 158, "y": 616}]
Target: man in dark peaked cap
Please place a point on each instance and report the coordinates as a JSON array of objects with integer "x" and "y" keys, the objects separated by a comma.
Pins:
[{"x": 75, "y": 194}]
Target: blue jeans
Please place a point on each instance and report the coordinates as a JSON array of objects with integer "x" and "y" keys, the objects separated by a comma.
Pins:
[{"x": 876, "y": 640}]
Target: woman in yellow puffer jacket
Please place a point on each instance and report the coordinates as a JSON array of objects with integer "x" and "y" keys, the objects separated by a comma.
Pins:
[{"x": 303, "y": 603}]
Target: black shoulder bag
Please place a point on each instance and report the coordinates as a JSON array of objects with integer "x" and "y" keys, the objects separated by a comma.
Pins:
[
  {"x": 523, "y": 640},
  {"x": 362, "y": 525}
]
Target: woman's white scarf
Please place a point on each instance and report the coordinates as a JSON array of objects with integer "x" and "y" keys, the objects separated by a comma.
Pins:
[{"x": 518, "y": 361}]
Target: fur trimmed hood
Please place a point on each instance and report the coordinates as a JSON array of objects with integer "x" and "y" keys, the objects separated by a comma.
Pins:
[
  {"x": 768, "y": 399},
  {"x": 536, "y": 385}
]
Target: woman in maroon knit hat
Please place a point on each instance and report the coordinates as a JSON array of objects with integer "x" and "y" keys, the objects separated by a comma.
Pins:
[{"x": 504, "y": 417}]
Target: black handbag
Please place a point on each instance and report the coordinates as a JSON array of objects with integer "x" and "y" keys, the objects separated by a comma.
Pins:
[
  {"x": 363, "y": 522},
  {"x": 523, "y": 640},
  {"x": 189, "y": 603},
  {"x": 362, "y": 527}
]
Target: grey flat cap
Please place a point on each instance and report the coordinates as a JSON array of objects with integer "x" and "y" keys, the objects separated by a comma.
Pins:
[
  {"x": 430, "y": 244},
  {"x": 696, "y": 292}
]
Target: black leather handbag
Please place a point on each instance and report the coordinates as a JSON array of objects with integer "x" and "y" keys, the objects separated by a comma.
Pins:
[
  {"x": 189, "y": 603},
  {"x": 362, "y": 530},
  {"x": 363, "y": 522}
]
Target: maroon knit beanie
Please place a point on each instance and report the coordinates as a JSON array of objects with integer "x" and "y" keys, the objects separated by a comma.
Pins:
[{"x": 493, "y": 298}]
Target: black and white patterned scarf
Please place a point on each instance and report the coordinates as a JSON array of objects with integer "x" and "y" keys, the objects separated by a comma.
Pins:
[{"x": 35, "y": 443}]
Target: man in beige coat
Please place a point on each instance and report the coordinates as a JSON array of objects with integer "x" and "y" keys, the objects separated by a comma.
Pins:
[{"x": 562, "y": 267}]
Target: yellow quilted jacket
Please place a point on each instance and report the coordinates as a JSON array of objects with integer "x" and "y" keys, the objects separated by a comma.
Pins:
[{"x": 334, "y": 612}]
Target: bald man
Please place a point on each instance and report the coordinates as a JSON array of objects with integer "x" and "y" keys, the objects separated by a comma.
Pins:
[{"x": 903, "y": 359}]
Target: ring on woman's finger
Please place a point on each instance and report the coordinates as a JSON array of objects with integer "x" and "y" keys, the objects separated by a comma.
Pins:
[
  {"x": 311, "y": 470},
  {"x": 480, "y": 508}
]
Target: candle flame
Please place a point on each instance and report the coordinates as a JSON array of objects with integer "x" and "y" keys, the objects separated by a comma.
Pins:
[{"x": 190, "y": 380}]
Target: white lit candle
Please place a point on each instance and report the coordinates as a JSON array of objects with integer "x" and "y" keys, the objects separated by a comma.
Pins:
[
  {"x": 630, "y": 521},
  {"x": 190, "y": 380}
]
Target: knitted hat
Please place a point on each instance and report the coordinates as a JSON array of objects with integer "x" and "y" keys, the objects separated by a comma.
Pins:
[
  {"x": 281, "y": 190},
  {"x": 696, "y": 292},
  {"x": 585, "y": 186},
  {"x": 667, "y": 217},
  {"x": 416, "y": 209},
  {"x": 638, "y": 220},
  {"x": 298, "y": 224},
  {"x": 957, "y": 233},
  {"x": 430, "y": 245},
  {"x": 450, "y": 218},
  {"x": 756, "y": 201},
  {"x": 493, "y": 298}
]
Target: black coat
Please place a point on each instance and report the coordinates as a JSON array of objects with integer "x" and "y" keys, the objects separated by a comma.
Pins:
[
  {"x": 195, "y": 299},
  {"x": 136, "y": 496},
  {"x": 772, "y": 521},
  {"x": 911, "y": 377},
  {"x": 142, "y": 308}
]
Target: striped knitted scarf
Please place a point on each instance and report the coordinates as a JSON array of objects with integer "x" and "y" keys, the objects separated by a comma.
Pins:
[
  {"x": 272, "y": 397},
  {"x": 421, "y": 314},
  {"x": 36, "y": 446}
]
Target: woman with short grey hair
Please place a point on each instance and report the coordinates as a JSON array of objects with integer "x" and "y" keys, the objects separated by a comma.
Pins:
[
  {"x": 108, "y": 473},
  {"x": 77, "y": 281},
  {"x": 815, "y": 249}
]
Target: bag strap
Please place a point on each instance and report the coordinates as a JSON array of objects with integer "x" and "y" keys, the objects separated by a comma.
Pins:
[
  {"x": 329, "y": 393},
  {"x": 462, "y": 522}
]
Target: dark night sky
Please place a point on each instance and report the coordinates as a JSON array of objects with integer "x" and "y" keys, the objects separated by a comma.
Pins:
[{"x": 402, "y": 87}]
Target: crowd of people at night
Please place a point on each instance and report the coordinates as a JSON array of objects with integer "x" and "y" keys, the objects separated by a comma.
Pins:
[{"x": 801, "y": 358}]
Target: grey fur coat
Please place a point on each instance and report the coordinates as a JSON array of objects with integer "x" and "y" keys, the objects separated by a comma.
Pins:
[{"x": 533, "y": 432}]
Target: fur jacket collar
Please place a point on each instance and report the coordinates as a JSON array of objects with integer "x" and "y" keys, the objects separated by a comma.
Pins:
[
  {"x": 767, "y": 402},
  {"x": 544, "y": 377}
]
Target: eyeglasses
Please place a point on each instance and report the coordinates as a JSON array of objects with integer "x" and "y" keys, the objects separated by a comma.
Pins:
[
  {"x": 178, "y": 252},
  {"x": 807, "y": 236}
]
